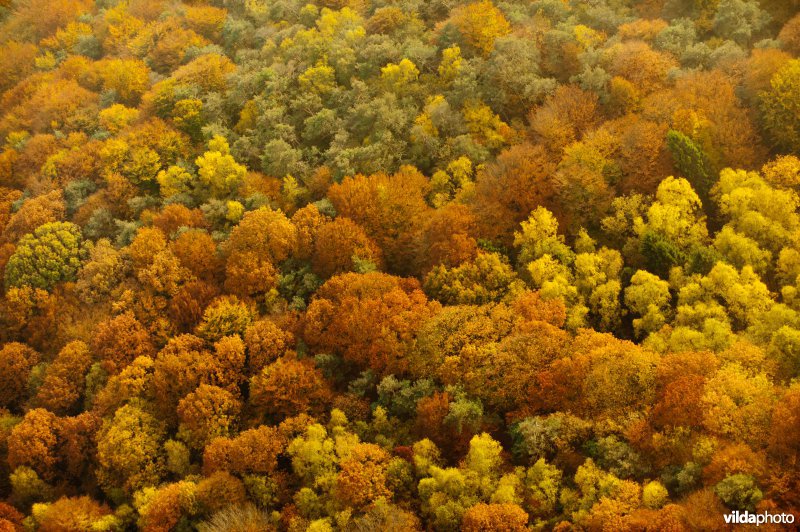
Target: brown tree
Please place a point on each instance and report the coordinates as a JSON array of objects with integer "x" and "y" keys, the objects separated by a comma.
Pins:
[
  {"x": 289, "y": 387},
  {"x": 16, "y": 361},
  {"x": 118, "y": 341},
  {"x": 338, "y": 247},
  {"x": 65, "y": 379},
  {"x": 507, "y": 191},
  {"x": 369, "y": 319}
]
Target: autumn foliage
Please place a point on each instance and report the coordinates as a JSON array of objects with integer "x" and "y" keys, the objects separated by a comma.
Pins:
[{"x": 279, "y": 265}]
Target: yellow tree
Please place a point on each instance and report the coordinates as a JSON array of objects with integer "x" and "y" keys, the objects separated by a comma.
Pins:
[
  {"x": 129, "y": 451},
  {"x": 780, "y": 106},
  {"x": 218, "y": 172},
  {"x": 480, "y": 24}
]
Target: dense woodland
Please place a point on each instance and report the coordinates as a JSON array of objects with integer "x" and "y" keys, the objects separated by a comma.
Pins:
[{"x": 398, "y": 264}]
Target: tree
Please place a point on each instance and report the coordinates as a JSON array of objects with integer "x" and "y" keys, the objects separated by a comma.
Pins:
[
  {"x": 187, "y": 305},
  {"x": 227, "y": 367},
  {"x": 307, "y": 220},
  {"x": 676, "y": 215},
  {"x": 74, "y": 513},
  {"x": 339, "y": 247},
  {"x": 18, "y": 61},
  {"x": 33, "y": 443},
  {"x": 646, "y": 68},
  {"x": 132, "y": 383},
  {"x": 506, "y": 517},
  {"x": 383, "y": 515},
  {"x": 783, "y": 172},
  {"x": 541, "y": 485},
  {"x": 508, "y": 190},
  {"x": 10, "y": 518},
  {"x": 179, "y": 368},
  {"x": 64, "y": 379},
  {"x": 289, "y": 387},
  {"x": 218, "y": 172},
  {"x": 362, "y": 478},
  {"x": 391, "y": 209},
  {"x": 225, "y": 316},
  {"x": 249, "y": 275},
  {"x": 39, "y": 19},
  {"x": 449, "y": 331},
  {"x": 389, "y": 310},
  {"x": 165, "y": 507},
  {"x": 129, "y": 452},
  {"x": 207, "y": 413},
  {"x": 174, "y": 181},
  {"x": 739, "y": 492},
  {"x": 245, "y": 517},
  {"x": 447, "y": 494},
  {"x": 597, "y": 280},
  {"x": 34, "y": 213},
  {"x": 681, "y": 381},
  {"x": 780, "y": 107},
  {"x": 790, "y": 35},
  {"x": 784, "y": 435},
  {"x": 485, "y": 279},
  {"x": 220, "y": 490},
  {"x": 206, "y": 20},
  {"x": 649, "y": 297},
  {"x": 119, "y": 341},
  {"x": 397, "y": 77},
  {"x": 16, "y": 362},
  {"x": 48, "y": 256},
  {"x": 513, "y": 72},
  {"x": 128, "y": 78},
  {"x": 257, "y": 245},
  {"x": 740, "y": 20},
  {"x": 538, "y": 237},
  {"x": 253, "y": 451},
  {"x": 448, "y": 238},
  {"x": 763, "y": 214},
  {"x": 738, "y": 404},
  {"x": 118, "y": 117},
  {"x": 266, "y": 342},
  {"x": 654, "y": 495},
  {"x": 197, "y": 251},
  {"x": 642, "y": 156},
  {"x": 480, "y": 24},
  {"x": 145, "y": 245},
  {"x": 582, "y": 180},
  {"x": 564, "y": 118},
  {"x": 176, "y": 216},
  {"x": 599, "y": 360},
  {"x": 691, "y": 162},
  {"x": 208, "y": 71},
  {"x": 101, "y": 273},
  {"x": 486, "y": 128}
]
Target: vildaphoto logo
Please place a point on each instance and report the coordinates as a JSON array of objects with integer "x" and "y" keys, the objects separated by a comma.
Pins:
[{"x": 763, "y": 518}]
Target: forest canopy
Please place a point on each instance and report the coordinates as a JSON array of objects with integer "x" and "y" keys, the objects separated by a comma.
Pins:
[{"x": 492, "y": 265}]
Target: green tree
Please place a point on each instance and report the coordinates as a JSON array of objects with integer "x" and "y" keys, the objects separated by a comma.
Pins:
[
  {"x": 691, "y": 162},
  {"x": 48, "y": 256},
  {"x": 739, "y": 492}
]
